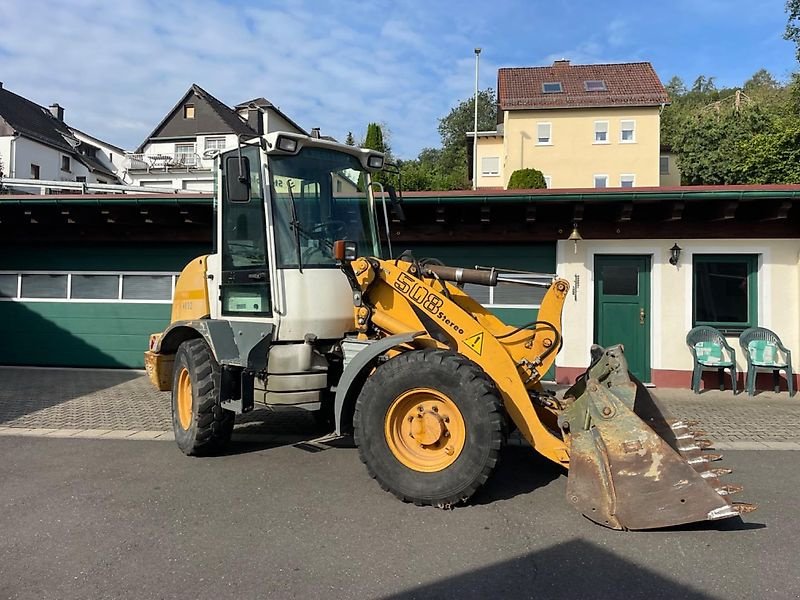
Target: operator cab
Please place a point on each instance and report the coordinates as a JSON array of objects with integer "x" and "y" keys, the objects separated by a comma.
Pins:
[{"x": 283, "y": 200}]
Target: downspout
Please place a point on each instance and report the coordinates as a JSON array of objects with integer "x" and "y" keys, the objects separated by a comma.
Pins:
[{"x": 12, "y": 166}]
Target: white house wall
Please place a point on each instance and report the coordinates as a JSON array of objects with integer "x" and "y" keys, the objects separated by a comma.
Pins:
[
  {"x": 671, "y": 298},
  {"x": 275, "y": 122},
  {"x": 111, "y": 157},
  {"x": 5, "y": 155},
  {"x": 27, "y": 152}
]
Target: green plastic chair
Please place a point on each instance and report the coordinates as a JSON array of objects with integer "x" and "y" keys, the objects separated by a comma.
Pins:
[
  {"x": 711, "y": 351},
  {"x": 765, "y": 352}
]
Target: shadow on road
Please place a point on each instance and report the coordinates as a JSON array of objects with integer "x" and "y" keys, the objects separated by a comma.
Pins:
[
  {"x": 520, "y": 471},
  {"x": 574, "y": 569}
]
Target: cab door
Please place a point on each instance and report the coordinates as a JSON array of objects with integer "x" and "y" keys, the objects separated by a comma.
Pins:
[{"x": 245, "y": 286}]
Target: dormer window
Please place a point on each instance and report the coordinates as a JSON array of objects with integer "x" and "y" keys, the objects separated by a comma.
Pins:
[
  {"x": 552, "y": 87},
  {"x": 188, "y": 111},
  {"x": 595, "y": 85}
]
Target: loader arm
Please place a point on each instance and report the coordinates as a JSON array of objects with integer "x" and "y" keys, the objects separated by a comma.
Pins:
[
  {"x": 395, "y": 299},
  {"x": 631, "y": 466}
]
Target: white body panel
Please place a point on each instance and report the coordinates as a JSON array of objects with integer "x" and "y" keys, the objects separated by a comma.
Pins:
[{"x": 317, "y": 301}]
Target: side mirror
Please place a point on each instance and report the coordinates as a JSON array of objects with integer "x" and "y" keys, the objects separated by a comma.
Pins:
[
  {"x": 396, "y": 203},
  {"x": 237, "y": 178}
]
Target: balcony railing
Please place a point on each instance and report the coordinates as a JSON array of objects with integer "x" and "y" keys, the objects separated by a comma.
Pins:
[{"x": 167, "y": 161}]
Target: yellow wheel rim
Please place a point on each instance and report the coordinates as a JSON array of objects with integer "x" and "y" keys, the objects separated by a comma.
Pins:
[
  {"x": 425, "y": 430},
  {"x": 184, "y": 392}
]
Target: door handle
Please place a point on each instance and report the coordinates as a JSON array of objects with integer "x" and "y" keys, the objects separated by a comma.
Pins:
[
  {"x": 257, "y": 276},
  {"x": 641, "y": 316}
]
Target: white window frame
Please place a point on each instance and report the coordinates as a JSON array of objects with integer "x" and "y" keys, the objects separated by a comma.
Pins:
[
  {"x": 490, "y": 172},
  {"x": 622, "y": 129},
  {"x": 627, "y": 176},
  {"x": 191, "y": 157},
  {"x": 118, "y": 300},
  {"x": 607, "y": 132},
  {"x": 664, "y": 158},
  {"x": 549, "y": 141},
  {"x": 595, "y": 178},
  {"x": 521, "y": 276},
  {"x": 548, "y": 181},
  {"x": 216, "y": 140}
]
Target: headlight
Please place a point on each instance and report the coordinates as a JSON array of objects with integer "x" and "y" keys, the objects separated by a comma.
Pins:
[
  {"x": 375, "y": 161},
  {"x": 287, "y": 144}
]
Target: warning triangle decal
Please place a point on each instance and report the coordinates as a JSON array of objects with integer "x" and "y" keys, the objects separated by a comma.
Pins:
[{"x": 475, "y": 342}]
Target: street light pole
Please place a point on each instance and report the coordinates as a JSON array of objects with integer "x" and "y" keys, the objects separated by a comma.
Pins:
[{"x": 475, "y": 129}]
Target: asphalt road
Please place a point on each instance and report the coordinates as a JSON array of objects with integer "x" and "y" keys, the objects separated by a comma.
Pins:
[{"x": 122, "y": 519}]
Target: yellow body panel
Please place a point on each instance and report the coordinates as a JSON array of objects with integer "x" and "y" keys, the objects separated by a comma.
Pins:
[
  {"x": 514, "y": 360},
  {"x": 191, "y": 292}
]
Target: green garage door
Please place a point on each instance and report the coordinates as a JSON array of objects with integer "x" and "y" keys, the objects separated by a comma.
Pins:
[{"x": 86, "y": 305}]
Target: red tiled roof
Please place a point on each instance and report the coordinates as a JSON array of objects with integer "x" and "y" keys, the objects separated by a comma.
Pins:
[{"x": 627, "y": 84}]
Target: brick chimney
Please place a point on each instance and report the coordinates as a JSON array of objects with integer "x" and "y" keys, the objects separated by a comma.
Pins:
[
  {"x": 561, "y": 62},
  {"x": 57, "y": 111}
]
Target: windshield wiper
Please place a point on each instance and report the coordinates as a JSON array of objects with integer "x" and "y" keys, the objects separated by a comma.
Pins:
[{"x": 295, "y": 226}]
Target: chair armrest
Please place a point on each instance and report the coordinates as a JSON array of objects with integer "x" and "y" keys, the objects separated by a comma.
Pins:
[
  {"x": 746, "y": 352},
  {"x": 724, "y": 343}
]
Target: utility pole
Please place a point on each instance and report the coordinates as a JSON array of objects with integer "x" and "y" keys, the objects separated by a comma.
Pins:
[{"x": 475, "y": 130}]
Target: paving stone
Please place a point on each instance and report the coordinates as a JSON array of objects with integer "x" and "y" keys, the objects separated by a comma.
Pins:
[{"x": 95, "y": 403}]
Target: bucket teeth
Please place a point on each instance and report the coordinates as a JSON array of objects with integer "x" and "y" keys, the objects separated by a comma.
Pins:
[
  {"x": 711, "y": 473},
  {"x": 744, "y": 507},
  {"x": 699, "y": 433},
  {"x": 731, "y": 510},
  {"x": 704, "y": 458},
  {"x": 695, "y": 445},
  {"x": 729, "y": 490}
]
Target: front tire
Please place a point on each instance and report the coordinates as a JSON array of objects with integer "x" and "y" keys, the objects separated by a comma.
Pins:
[
  {"x": 200, "y": 424},
  {"x": 429, "y": 426}
]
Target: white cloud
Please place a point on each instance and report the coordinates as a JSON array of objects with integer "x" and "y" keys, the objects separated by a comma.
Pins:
[{"x": 118, "y": 67}]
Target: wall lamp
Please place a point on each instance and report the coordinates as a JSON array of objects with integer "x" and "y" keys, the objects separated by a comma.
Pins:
[{"x": 674, "y": 254}]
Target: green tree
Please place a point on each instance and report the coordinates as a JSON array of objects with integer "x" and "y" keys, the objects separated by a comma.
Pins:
[
  {"x": 374, "y": 138},
  {"x": 675, "y": 87},
  {"x": 772, "y": 156},
  {"x": 710, "y": 144},
  {"x": 453, "y": 128},
  {"x": 445, "y": 168},
  {"x": 761, "y": 79},
  {"x": 792, "y": 32},
  {"x": 527, "y": 179}
]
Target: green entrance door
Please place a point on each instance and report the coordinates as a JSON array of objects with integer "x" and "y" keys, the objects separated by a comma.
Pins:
[{"x": 622, "y": 308}]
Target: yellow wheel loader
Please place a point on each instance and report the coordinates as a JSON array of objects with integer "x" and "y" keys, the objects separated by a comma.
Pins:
[{"x": 296, "y": 308}]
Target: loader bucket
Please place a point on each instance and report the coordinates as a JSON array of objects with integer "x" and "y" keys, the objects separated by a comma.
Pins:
[{"x": 631, "y": 465}]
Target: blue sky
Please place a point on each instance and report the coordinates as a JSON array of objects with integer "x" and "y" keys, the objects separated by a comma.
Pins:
[{"x": 118, "y": 67}]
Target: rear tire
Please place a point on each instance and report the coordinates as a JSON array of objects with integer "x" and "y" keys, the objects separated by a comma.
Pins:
[
  {"x": 429, "y": 426},
  {"x": 200, "y": 424}
]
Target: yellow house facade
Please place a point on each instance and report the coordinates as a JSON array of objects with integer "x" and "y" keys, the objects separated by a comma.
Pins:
[{"x": 582, "y": 126}]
